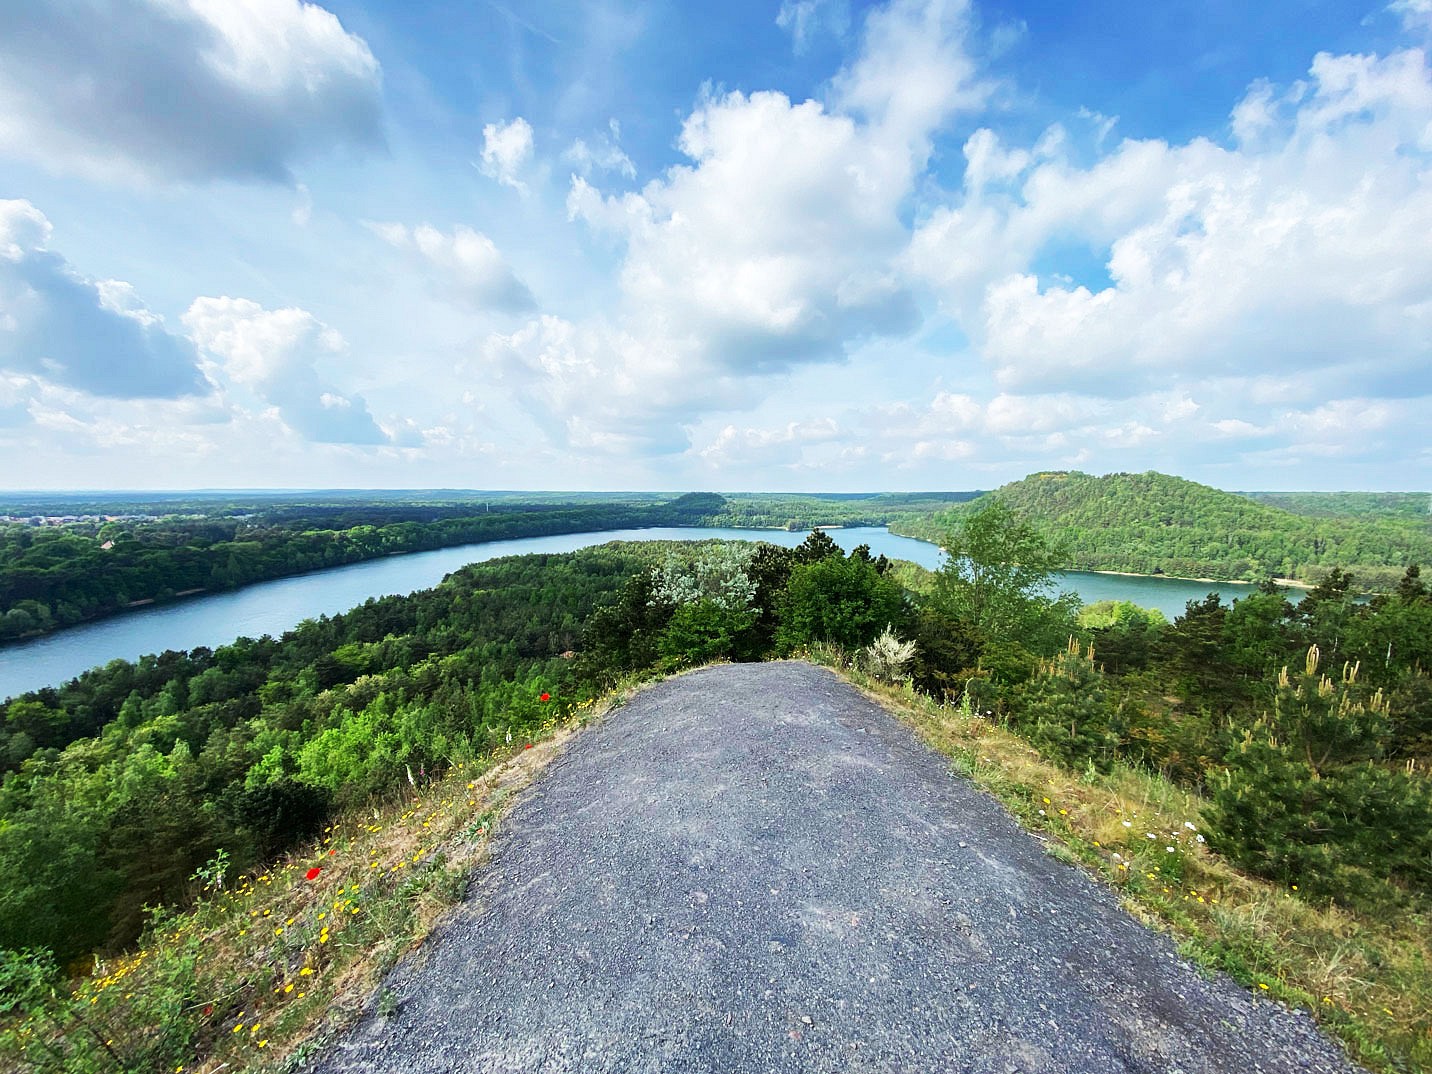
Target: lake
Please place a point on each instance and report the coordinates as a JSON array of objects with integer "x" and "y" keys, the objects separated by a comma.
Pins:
[{"x": 273, "y": 607}]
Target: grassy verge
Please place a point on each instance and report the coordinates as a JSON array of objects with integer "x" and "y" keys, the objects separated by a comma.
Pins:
[
  {"x": 259, "y": 975},
  {"x": 1368, "y": 982}
]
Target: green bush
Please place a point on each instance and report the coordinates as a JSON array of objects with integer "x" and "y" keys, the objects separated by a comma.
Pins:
[
  {"x": 843, "y": 601},
  {"x": 1307, "y": 799},
  {"x": 1065, "y": 710}
]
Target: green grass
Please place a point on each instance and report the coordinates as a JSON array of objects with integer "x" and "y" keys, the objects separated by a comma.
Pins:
[
  {"x": 260, "y": 976},
  {"x": 257, "y": 975},
  {"x": 1366, "y": 980}
]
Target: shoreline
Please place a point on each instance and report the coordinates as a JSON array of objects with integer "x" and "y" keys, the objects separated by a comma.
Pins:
[{"x": 1286, "y": 583}]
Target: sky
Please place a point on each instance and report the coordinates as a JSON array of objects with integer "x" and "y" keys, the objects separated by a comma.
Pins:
[{"x": 811, "y": 245}]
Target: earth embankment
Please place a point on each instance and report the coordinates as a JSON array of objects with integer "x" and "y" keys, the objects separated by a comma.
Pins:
[{"x": 755, "y": 868}]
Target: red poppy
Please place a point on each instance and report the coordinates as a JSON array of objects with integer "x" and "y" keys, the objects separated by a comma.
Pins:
[
  {"x": 528, "y": 746},
  {"x": 332, "y": 852},
  {"x": 312, "y": 874},
  {"x": 545, "y": 697},
  {"x": 208, "y": 1010}
]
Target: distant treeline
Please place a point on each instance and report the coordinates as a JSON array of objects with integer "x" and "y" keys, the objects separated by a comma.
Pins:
[
  {"x": 797, "y": 512},
  {"x": 1152, "y": 523},
  {"x": 1308, "y": 727},
  {"x": 1414, "y": 507},
  {"x": 55, "y": 576}
]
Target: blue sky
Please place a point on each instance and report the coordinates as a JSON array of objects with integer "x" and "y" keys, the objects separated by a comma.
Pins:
[{"x": 803, "y": 244}]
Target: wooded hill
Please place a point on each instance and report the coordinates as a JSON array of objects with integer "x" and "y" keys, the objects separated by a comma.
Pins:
[{"x": 1152, "y": 523}]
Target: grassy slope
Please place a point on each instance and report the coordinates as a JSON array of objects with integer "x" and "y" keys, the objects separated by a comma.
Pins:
[
  {"x": 256, "y": 978},
  {"x": 1156, "y": 524},
  {"x": 1365, "y": 980}
]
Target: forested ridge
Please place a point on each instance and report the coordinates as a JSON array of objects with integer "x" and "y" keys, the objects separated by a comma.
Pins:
[
  {"x": 799, "y": 512},
  {"x": 54, "y": 576},
  {"x": 1152, "y": 523},
  {"x": 1306, "y": 730}
]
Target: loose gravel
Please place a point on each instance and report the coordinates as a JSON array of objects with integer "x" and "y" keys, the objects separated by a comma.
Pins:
[{"x": 755, "y": 868}]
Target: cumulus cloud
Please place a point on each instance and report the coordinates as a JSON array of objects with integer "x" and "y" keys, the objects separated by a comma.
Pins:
[
  {"x": 1010, "y": 433},
  {"x": 464, "y": 265},
  {"x": 182, "y": 90},
  {"x": 1298, "y": 249},
  {"x": 767, "y": 448},
  {"x": 774, "y": 245},
  {"x": 275, "y": 354},
  {"x": 94, "y": 336},
  {"x": 506, "y": 149}
]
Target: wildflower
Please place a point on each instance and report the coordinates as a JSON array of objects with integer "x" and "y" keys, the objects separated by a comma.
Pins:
[
  {"x": 312, "y": 874},
  {"x": 1262, "y": 986},
  {"x": 1189, "y": 825},
  {"x": 1199, "y": 838},
  {"x": 528, "y": 746},
  {"x": 545, "y": 697},
  {"x": 1128, "y": 824},
  {"x": 1169, "y": 849},
  {"x": 1151, "y": 835}
]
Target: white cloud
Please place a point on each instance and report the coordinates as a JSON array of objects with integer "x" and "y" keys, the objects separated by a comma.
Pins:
[
  {"x": 182, "y": 90},
  {"x": 275, "y": 354},
  {"x": 94, "y": 336},
  {"x": 1302, "y": 248},
  {"x": 1010, "y": 434},
  {"x": 603, "y": 154},
  {"x": 765, "y": 448},
  {"x": 464, "y": 265},
  {"x": 773, "y": 247},
  {"x": 804, "y": 19},
  {"x": 506, "y": 149},
  {"x": 1415, "y": 14}
]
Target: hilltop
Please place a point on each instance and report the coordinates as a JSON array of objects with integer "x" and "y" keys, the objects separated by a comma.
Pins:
[{"x": 1152, "y": 523}]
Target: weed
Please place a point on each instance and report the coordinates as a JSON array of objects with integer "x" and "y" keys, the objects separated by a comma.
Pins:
[{"x": 1366, "y": 978}]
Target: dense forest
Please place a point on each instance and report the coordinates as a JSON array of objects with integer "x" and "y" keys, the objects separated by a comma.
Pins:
[
  {"x": 53, "y": 576},
  {"x": 1151, "y": 523},
  {"x": 122, "y": 782},
  {"x": 798, "y": 511},
  {"x": 1306, "y": 728},
  {"x": 1411, "y": 507}
]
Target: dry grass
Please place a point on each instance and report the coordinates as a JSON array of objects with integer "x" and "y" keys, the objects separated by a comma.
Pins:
[
  {"x": 1369, "y": 982},
  {"x": 254, "y": 977},
  {"x": 258, "y": 977}
]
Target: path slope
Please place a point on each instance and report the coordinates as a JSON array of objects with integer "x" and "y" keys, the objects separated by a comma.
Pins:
[{"x": 754, "y": 868}]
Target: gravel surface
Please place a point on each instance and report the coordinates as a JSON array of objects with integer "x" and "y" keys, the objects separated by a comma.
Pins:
[{"x": 754, "y": 868}]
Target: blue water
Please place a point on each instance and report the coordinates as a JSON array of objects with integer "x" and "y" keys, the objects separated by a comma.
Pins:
[{"x": 273, "y": 607}]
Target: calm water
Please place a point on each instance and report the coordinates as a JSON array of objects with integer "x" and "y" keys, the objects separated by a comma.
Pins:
[{"x": 273, "y": 607}]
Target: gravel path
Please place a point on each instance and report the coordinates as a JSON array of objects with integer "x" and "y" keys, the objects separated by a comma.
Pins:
[{"x": 754, "y": 868}]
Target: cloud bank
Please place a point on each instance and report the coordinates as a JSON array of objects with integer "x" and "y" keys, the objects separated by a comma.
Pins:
[{"x": 183, "y": 90}]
